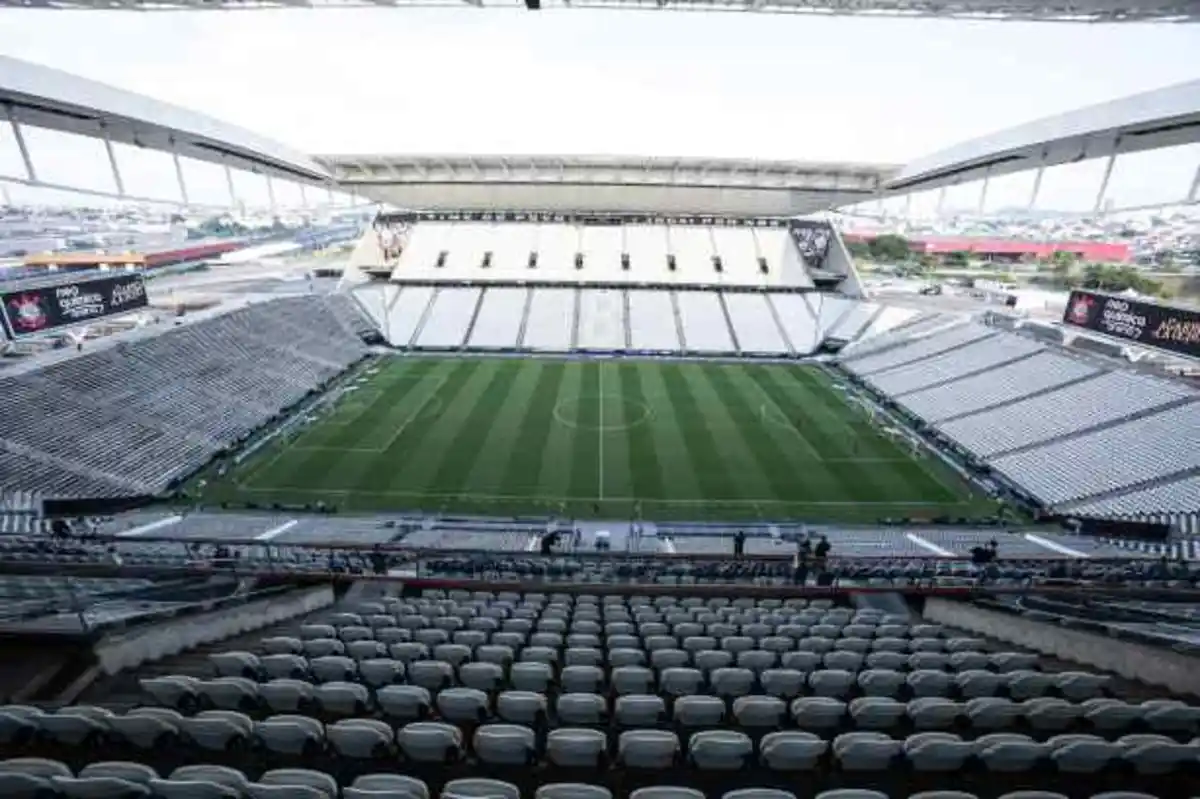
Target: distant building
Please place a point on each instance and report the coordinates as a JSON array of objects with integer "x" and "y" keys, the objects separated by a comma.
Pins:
[
  {"x": 1011, "y": 250},
  {"x": 84, "y": 261}
]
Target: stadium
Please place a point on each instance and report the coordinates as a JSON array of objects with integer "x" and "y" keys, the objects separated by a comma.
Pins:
[{"x": 590, "y": 477}]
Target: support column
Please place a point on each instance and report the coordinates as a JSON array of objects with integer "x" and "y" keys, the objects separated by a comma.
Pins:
[
  {"x": 270, "y": 192},
  {"x": 183, "y": 193},
  {"x": 329, "y": 195},
  {"x": 1194, "y": 192},
  {"x": 987, "y": 177},
  {"x": 303, "y": 196},
  {"x": 112, "y": 162},
  {"x": 229, "y": 183},
  {"x": 30, "y": 172},
  {"x": 941, "y": 199},
  {"x": 1037, "y": 186},
  {"x": 908, "y": 206},
  {"x": 1108, "y": 168}
]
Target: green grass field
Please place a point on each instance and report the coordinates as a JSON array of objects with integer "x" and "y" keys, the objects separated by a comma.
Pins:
[{"x": 668, "y": 440}]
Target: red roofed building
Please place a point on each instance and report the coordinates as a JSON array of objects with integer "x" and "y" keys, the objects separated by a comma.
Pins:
[{"x": 1012, "y": 250}]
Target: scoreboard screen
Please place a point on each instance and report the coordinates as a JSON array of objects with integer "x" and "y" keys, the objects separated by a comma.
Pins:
[
  {"x": 1145, "y": 323},
  {"x": 44, "y": 309}
]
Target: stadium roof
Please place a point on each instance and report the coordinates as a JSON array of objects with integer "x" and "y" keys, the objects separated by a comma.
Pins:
[
  {"x": 607, "y": 183},
  {"x": 1048, "y": 10},
  {"x": 42, "y": 97},
  {"x": 1146, "y": 121},
  {"x": 31, "y": 94}
]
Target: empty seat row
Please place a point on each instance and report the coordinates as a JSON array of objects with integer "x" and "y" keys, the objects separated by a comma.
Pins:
[
  {"x": 330, "y": 659},
  {"x": 22, "y": 777},
  {"x": 470, "y": 705},
  {"x": 504, "y": 744},
  {"x": 670, "y": 671}
]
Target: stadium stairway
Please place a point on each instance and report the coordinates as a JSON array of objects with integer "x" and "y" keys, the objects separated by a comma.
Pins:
[
  {"x": 678, "y": 322},
  {"x": 891, "y": 604},
  {"x": 121, "y": 687},
  {"x": 729, "y": 321}
]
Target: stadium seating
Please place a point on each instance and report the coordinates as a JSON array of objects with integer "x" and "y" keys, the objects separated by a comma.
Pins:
[
  {"x": 461, "y": 248},
  {"x": 613, "y": 319},
  {"x": 136, "y": 417},
  {"x": 1075, "y": 435},
  {"x": 465, "y": 694}
]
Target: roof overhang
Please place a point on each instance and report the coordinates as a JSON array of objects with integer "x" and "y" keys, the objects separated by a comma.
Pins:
[
  {"x": 1146, "y": 121},
  {"x": 1044, "y": 10},
  {"x": 606, "y": 183},
  {"x": 31, "y": 94}
]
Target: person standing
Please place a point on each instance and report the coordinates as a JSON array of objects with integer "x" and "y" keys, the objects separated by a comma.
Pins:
[
  {"x": 800, "y": 561},
  {"x": 739, "y": 544},
  {"x": 822, "y": 552}
]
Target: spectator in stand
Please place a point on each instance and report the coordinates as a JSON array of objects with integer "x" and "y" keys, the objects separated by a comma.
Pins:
[
  {"x": 822, "y": 552},
  {"x": 550, "y": 541},
  {"x": 379, "y": 561},
  {"x": 739, "y": 544},
  {"x": 800, "y": 561}
]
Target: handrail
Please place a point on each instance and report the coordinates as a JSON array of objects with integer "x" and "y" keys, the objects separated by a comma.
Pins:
[
  {"x": 411, "y": 552},
  {"x": 1051, "y": 588}
]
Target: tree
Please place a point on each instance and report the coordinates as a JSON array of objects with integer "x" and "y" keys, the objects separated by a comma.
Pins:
[
  {"x": 1062, "y": 265},
  {"x": 890, "y": 247},
  {"x": 859, "y": 250},
  {"x": 958, "y": 258},
  {"x": 1115, "y": 279}
]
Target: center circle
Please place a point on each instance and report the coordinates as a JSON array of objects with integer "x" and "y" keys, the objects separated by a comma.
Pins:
[{"x": 640, "y": 415}]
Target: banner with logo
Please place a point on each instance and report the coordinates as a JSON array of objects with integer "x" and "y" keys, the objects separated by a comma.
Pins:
[
  {"x": 33, "y": 311},
  {"x": 1146, "y": 323},
  {"x": 590, "y": 219}
]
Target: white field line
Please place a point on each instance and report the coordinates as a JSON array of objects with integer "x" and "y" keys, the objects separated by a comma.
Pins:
[
  {"x": 928, "y": 545},
  {"x": 149, "y": 527},
  {"x": 1054, "y": 546},
  {"x": 600, "y": 437},
  {"x": 471, "y": 495},
  {"x": 278, "y": 530}
]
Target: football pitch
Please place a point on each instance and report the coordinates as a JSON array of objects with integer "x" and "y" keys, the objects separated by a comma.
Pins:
[{"x": 610, "y": 439}]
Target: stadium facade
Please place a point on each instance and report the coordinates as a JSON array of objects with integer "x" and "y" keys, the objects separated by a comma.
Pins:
[
  {"x": 565, "y": 613},
  {"x": 1161, "y": 11},
  {"x": 715, "y": 259}
]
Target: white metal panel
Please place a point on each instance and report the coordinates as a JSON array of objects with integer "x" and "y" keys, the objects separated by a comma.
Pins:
[
  {"x": 419, "y": 259},
  {"x": 704, "y": 327},
  {"x": 602, "y": 319},
  {"x": 557, "y": 246},
  {"x": 828, "y": 310},
  {"x": 891, "y": 316},
  {"x": 601, "y": 247},
  {"x": 511, "y": 244},
  {"x": 374, "y": 299},
  {"x": 798, "y": 322},
  {"x": 777, "y": 247},
  {"x": 854, "y": 321},
  {"x": 693, "y": 250},
  {"x": 648, "y": 253},
  {"x": 551, "y": 320},
  {"x": 499, "y": 320},
  {"x": 652, "y": 321},
  {"x": 753, "y": 323},
  {"x": 739, "y": 255},
  {"x": 406, "y": 313},
  {"x": 448, "y": 319}
]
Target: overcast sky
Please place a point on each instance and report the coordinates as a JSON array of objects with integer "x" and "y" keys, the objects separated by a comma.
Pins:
[{"x": 652, "y": 83}]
